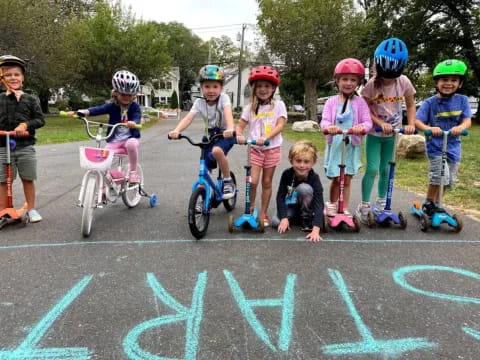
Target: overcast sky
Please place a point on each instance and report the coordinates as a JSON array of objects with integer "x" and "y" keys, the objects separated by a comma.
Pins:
[{"x": 200, "y": 15}]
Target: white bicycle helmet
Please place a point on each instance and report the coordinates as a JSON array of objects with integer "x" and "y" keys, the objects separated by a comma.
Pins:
[{"x": 125, "y": 82}]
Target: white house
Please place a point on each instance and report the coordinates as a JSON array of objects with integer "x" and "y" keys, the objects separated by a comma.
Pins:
[
  {"x": 231, "y": 87},
  {"x": 162, "y": 89}
]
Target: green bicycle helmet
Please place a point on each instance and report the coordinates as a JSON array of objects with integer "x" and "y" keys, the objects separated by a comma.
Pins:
[{"x": 450, "y": 67}]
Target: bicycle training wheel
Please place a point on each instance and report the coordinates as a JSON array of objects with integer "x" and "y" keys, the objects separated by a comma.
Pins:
[
  {"x": 230, "y": 203},
  {"x": 131, "y": 192},
  {"x": 198, "y": 217},
  {"x": 88, "y": 205}
]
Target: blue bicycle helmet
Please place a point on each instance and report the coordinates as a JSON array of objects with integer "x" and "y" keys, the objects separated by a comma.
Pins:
[{"x": 390, "y": 58}]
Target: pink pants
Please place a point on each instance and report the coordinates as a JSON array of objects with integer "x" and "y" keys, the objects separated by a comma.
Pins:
[{"x": 129, "y": 147}]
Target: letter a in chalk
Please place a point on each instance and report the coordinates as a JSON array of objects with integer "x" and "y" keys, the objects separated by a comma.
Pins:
[
  {"x": 28, "y": 348},
  {"x": 192, "y": 316},
  {"x": 286, "y": 303}
]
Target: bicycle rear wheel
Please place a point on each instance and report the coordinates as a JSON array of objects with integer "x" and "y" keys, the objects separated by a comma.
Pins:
[
  {"x": 131, "y": 192},
  {"x": 88, "y": 205},
  {"x": 230, "y": 203},
  {"x": 198, "y": 217}
]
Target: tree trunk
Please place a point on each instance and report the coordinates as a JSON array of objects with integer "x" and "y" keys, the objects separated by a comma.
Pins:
[
  {"x": 311, "y": 98},
  {"x": 44, "y": 96}
]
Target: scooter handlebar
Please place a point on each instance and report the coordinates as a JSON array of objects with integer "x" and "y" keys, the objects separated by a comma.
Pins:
[
  {"x": 253, "y": 142},
  {"x": 400, "y": 130},
  {"x": 14, "y": 133},
  {"x": 428, "y": 133},
  {"x": 348, "y": 132}
]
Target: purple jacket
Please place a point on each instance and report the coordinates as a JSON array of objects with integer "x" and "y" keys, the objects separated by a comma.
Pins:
[{"x": 361, "y": 116}]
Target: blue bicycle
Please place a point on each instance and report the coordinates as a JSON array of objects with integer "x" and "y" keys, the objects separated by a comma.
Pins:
[{"x": 206, "y": 194}]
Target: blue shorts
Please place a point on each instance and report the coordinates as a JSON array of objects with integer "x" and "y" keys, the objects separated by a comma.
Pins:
[{"x": 224, "y": 144}]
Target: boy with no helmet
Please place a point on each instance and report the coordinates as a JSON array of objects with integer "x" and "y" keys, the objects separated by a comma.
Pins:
[
  {"x": 122, "y": 109},
  {"x": 445, "y": 111},
  {"x": 19, "y": 112},
  {"x": 300, "y": 193},
  {"x": 216, "y": 109},
  {"x": 265, "y": 118}
]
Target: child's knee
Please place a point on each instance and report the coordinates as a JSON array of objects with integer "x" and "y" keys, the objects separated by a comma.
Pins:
[{"x": 217, "y": 152}]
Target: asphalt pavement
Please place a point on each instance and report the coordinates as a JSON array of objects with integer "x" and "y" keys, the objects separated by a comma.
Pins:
[{"x": 141, "y": 287}]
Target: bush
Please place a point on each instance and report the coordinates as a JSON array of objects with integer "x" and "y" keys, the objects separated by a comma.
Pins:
[{"x": 62, "y": 105}]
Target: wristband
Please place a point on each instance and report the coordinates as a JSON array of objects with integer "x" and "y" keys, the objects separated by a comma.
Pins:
[{"x": 24, "y": 125}]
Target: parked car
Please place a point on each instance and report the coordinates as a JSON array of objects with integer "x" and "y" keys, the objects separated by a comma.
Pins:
[
  {"x": 298, "y": 108},
  {"x": 473, "y": 106}
]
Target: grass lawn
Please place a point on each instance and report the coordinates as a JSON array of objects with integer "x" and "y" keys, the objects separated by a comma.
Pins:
[
  {"x": 59, "y": 129},
  {"x": 412, "y": 174}
]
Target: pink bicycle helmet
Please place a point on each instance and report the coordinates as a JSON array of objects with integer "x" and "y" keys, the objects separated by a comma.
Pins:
[
  {"x": 349, "y": 66},
  {"x": 264, "y": 72}
]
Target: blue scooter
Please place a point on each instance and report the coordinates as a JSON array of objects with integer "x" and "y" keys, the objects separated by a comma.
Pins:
[
  {"x": 248, "y": 220},
  {"x": 440, "y": 215},
  {"x": 386, "y": 215}
]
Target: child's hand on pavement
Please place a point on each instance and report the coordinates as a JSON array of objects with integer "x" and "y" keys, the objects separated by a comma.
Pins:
[
  {"x": 314, "y": 236},
  {"x": 283, "y": 226}
]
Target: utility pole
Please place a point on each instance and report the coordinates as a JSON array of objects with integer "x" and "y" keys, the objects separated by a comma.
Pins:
[{"x": 239, "y": 87}]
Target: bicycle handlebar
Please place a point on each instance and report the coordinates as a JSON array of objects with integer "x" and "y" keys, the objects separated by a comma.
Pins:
[
  {"x": 202, "y": 143},
  {"x": 87, "y": 122},
  {"x": 14, "y": 133}
]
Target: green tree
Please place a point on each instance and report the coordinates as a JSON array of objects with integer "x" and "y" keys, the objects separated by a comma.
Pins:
[
  {"x": 174, "y": 100},
  {"x": 310, "y": 37},
  {"x": 109, "y": 40},
  {"x": 223, "y": 51}
]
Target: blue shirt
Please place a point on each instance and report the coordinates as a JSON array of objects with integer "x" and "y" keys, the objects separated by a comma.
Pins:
[
  {"x": 134, "y": 113},
  {"x": 444, "y": 113}
]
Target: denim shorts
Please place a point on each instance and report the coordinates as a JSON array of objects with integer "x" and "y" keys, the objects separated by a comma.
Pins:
[
  {"x": 23, "y": 160},
  {"x": 224, "y": 143},
  {"x": 435, "y": 168}
]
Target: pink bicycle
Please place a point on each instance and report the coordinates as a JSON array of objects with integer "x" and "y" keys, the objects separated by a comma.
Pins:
[{"x": 106, "y": 178}]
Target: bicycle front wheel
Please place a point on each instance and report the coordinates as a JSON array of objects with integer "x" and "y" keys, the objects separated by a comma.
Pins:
[
  {"x": 198, "y": 216},
  {"x": 88, "y": 206},
  {"x": 131, "y": 192}
]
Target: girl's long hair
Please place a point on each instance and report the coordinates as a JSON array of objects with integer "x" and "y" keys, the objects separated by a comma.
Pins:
[{"x": 254, "y": 101}]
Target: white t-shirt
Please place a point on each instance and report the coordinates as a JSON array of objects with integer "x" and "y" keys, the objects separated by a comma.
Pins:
[
  {"x": 214, "y": 112},
  {"x": 262, "y": 123}
]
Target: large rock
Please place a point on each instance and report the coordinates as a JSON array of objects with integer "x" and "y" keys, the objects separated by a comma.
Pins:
[
  {"x": 306, "y": 126},
  {"x": 411, "y": 146}
]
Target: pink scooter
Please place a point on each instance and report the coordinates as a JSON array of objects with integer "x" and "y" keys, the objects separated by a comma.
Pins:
[{"x": 337, "y": 221}]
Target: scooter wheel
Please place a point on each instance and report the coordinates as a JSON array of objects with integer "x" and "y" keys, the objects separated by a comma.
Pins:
[
  {"x": 325, "y": 224},
  {"x": 459, "y": 221},
  {"x": 261, "y": 226},
  {"x": 403, "y": 220},
  {"x": 25, "y": 219},
  {"x": 371, "y": 219},
  {"x": 424, "y": 223},
  {"x": 153, "y": 200},
  {"x": 230, "y": 224},
  {"x": 356, "y": 221},
  {"x": 3, "y": 222}
]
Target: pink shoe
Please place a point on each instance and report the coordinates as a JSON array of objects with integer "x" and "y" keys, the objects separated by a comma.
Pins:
[{"x": 134, "y": 177}]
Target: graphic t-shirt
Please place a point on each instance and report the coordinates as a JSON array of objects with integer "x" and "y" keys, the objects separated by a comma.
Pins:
[{"x": 214, "y": 113}]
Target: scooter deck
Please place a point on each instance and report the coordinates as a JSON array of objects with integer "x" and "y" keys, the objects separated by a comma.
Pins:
[
  {"x": 337, "y": 220},
  {"x": 12, "y": 213},
  {"x": 248, "y": 220}
]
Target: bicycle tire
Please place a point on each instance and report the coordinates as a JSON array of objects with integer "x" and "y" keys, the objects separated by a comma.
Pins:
[
  {"x": 88, "y": 205},
  {"x": 230, "y": 203},
  {"x": 198, "y": 217},
  {"x": 131, "y": 192}
]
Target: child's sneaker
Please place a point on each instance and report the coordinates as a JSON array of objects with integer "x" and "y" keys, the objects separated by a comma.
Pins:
[
  {"x": 380, "y": 204},
  {"x": 34, "y": 216},
  {"x": 266, "y": 221},
  {"x": 429, "y": 207},
  {"x": 362, "y": 212},
  {"x": 228, "y": 189},
  {"x": 306, "y": 225},
  {"x": 134, "y": 177},
  {"x": 331, "y": 208}
]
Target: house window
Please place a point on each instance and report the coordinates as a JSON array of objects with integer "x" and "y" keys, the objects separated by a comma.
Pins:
[
  {"x": 162, "y": 85},
  {"x": 163, "y": 99},
  {"x": 168, "y": 100},
  {"x": 169, "y": 85}
]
